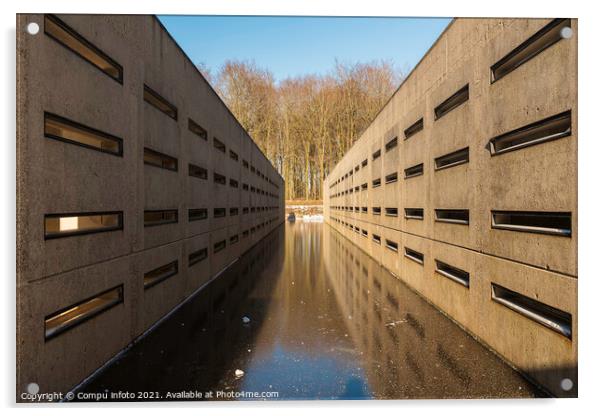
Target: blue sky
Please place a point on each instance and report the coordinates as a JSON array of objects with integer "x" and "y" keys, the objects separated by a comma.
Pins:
[{"x": 291, "y": 46}]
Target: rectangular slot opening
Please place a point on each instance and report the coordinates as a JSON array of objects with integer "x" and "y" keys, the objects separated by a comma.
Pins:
[
  {"x": 233, "y": 183},
  {"x": 245, "y": 164},
  {"x": 376, "y": 238},
  {"x": 220, "y": 245},
  {"x": 414, "y": 213},
  {"x": 66, "y": 36},
  {"x": 548, "y": 316},
  {"x": 160, "y": 217},
  {"x": 391, "y": 144},
  {"x": 159, "y": 274},
  {"x": 222, "y": 147},
  {"x": 540, "y": 41},
  {"x": 60, "y": 128},
  {"x": 67, "y": 225},
  {"x": 245, "y": 187},
  {"x": 364, "y": 233},
  {"x": 453, "y": 216},
  {"x": 376, "y": 210},
  {"x": 364, "y": 163},
  {"x": 376, "y": 155},
  {"x": 413, "y": 129},
  {"x": 456, "y": 100},
  {"x": 220, "y": 179},
  {"x": 233, "y": 155},
  {"x": 219, "y": 212},
  {"x": 376, "y": 183},
  {"x": 357, "y": 168},
  {"x": 554, "y": 223},
  {"x": 233, "y": 211},
  {"x": 552, "y": 128},
  {"x": 196, "y": 214},
  {"x": 452, "y": 159},
  {"x": 391, "y": 212},
  {"x": 197, "y": 256},
  {"x": 160, "y": 160},
  {"x": 391, "y": 245},
  {"x": 197, "y": 171},
  {"x": 160, "y": 103},
  {"x": 413, "y": 255},
  {"x": 364, "y": 186},
  {"x": 245, "y": 233},
  {"x": 391, "y": 177},
  {"x": 234, "y": 239},
  {"x": 196, "y": 129},
  {"x": 74, "y": 315},
  {"x": 364, "y": 210},
  {"x": 414, "y": 171},
  {"x": 453, "y": 273},
  {"x": 357, "y": 229}
]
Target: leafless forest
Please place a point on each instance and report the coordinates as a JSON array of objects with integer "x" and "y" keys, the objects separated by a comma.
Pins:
[{"x": 305, "y": 124}]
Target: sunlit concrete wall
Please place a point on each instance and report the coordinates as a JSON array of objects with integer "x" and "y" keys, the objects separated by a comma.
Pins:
[
  {"x": 538, "y": 178},
  {"x": 59, "y": 177}
]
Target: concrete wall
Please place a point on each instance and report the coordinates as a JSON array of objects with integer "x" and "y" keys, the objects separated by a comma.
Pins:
[
  {"x": 542, "y": 177},
  {"x": 59, "y": 177}
]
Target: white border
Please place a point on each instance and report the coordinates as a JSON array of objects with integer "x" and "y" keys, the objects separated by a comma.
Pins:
[{"x": 590, "y": 201}]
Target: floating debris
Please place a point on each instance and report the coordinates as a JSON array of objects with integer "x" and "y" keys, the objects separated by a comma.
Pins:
[
  {"x": 239, "y": 373},
  {"x": 246, "y": 319}
]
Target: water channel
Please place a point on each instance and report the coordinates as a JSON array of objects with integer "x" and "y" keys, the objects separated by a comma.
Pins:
[{"x": 324, "y": 322}]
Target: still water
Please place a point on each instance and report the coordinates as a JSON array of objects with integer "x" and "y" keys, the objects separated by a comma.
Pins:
[{"x": 325, "y": 322}]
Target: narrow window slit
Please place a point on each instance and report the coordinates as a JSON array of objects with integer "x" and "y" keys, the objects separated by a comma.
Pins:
[
  {"x": 376, "y": 210},
  {"x": 196, "y": 214},
  {"x": 160, "y": 103},
  {"x": 197, "y": 256},
  {"x": 414, "y": 255},
  {"x": 219, "y": 212},
  {"x": 540, "y": 41},
  {"x": 453, "y": 216},
  {"x": 459, "y": 157},
  {"x": 69, "y": 317},
  {"x": 160, "y": 160},
  {"x": 414, "y": 213},
  {"x": 391, "y": 212},
  {"x": 456, "y": 100},
  {"x": 160, "y": 217},
  {"x": 457, "y": 275},
  {"x": 376, "y": 183},
  {"x": 197, "y": 171},
  {"x": 219, "y": 246},
  {"x": 552, "y": 128},
  {"x": 546, "y": 315},
  {"x": 196, "y": 129},
  {"x": 391, "y": 245},
  {"x": 391, "y": 178},
  {"x": 66, "y": 36},
  {"x": 222, "y": 147},
  {"x": 376, "y": 155},
  {"x": 65, "y": 130},
  {"x": 391, "y": 144},
  {"x": 376, "y": 238},
  {"x": 68, "y": 225},
  {"x": 414, "y": 129},
  {"x": 554, "y": 223},
  {"x": 414, "y": 171},
  {"x": 160, "y": 274}
]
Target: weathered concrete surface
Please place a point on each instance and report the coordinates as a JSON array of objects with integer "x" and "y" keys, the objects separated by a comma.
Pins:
[
  {"x": 57, "y": 177},
  {"x": 536, "y": 178}
]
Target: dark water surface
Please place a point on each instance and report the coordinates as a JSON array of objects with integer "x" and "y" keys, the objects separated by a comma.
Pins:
[{"x": 326, "y": 322}]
